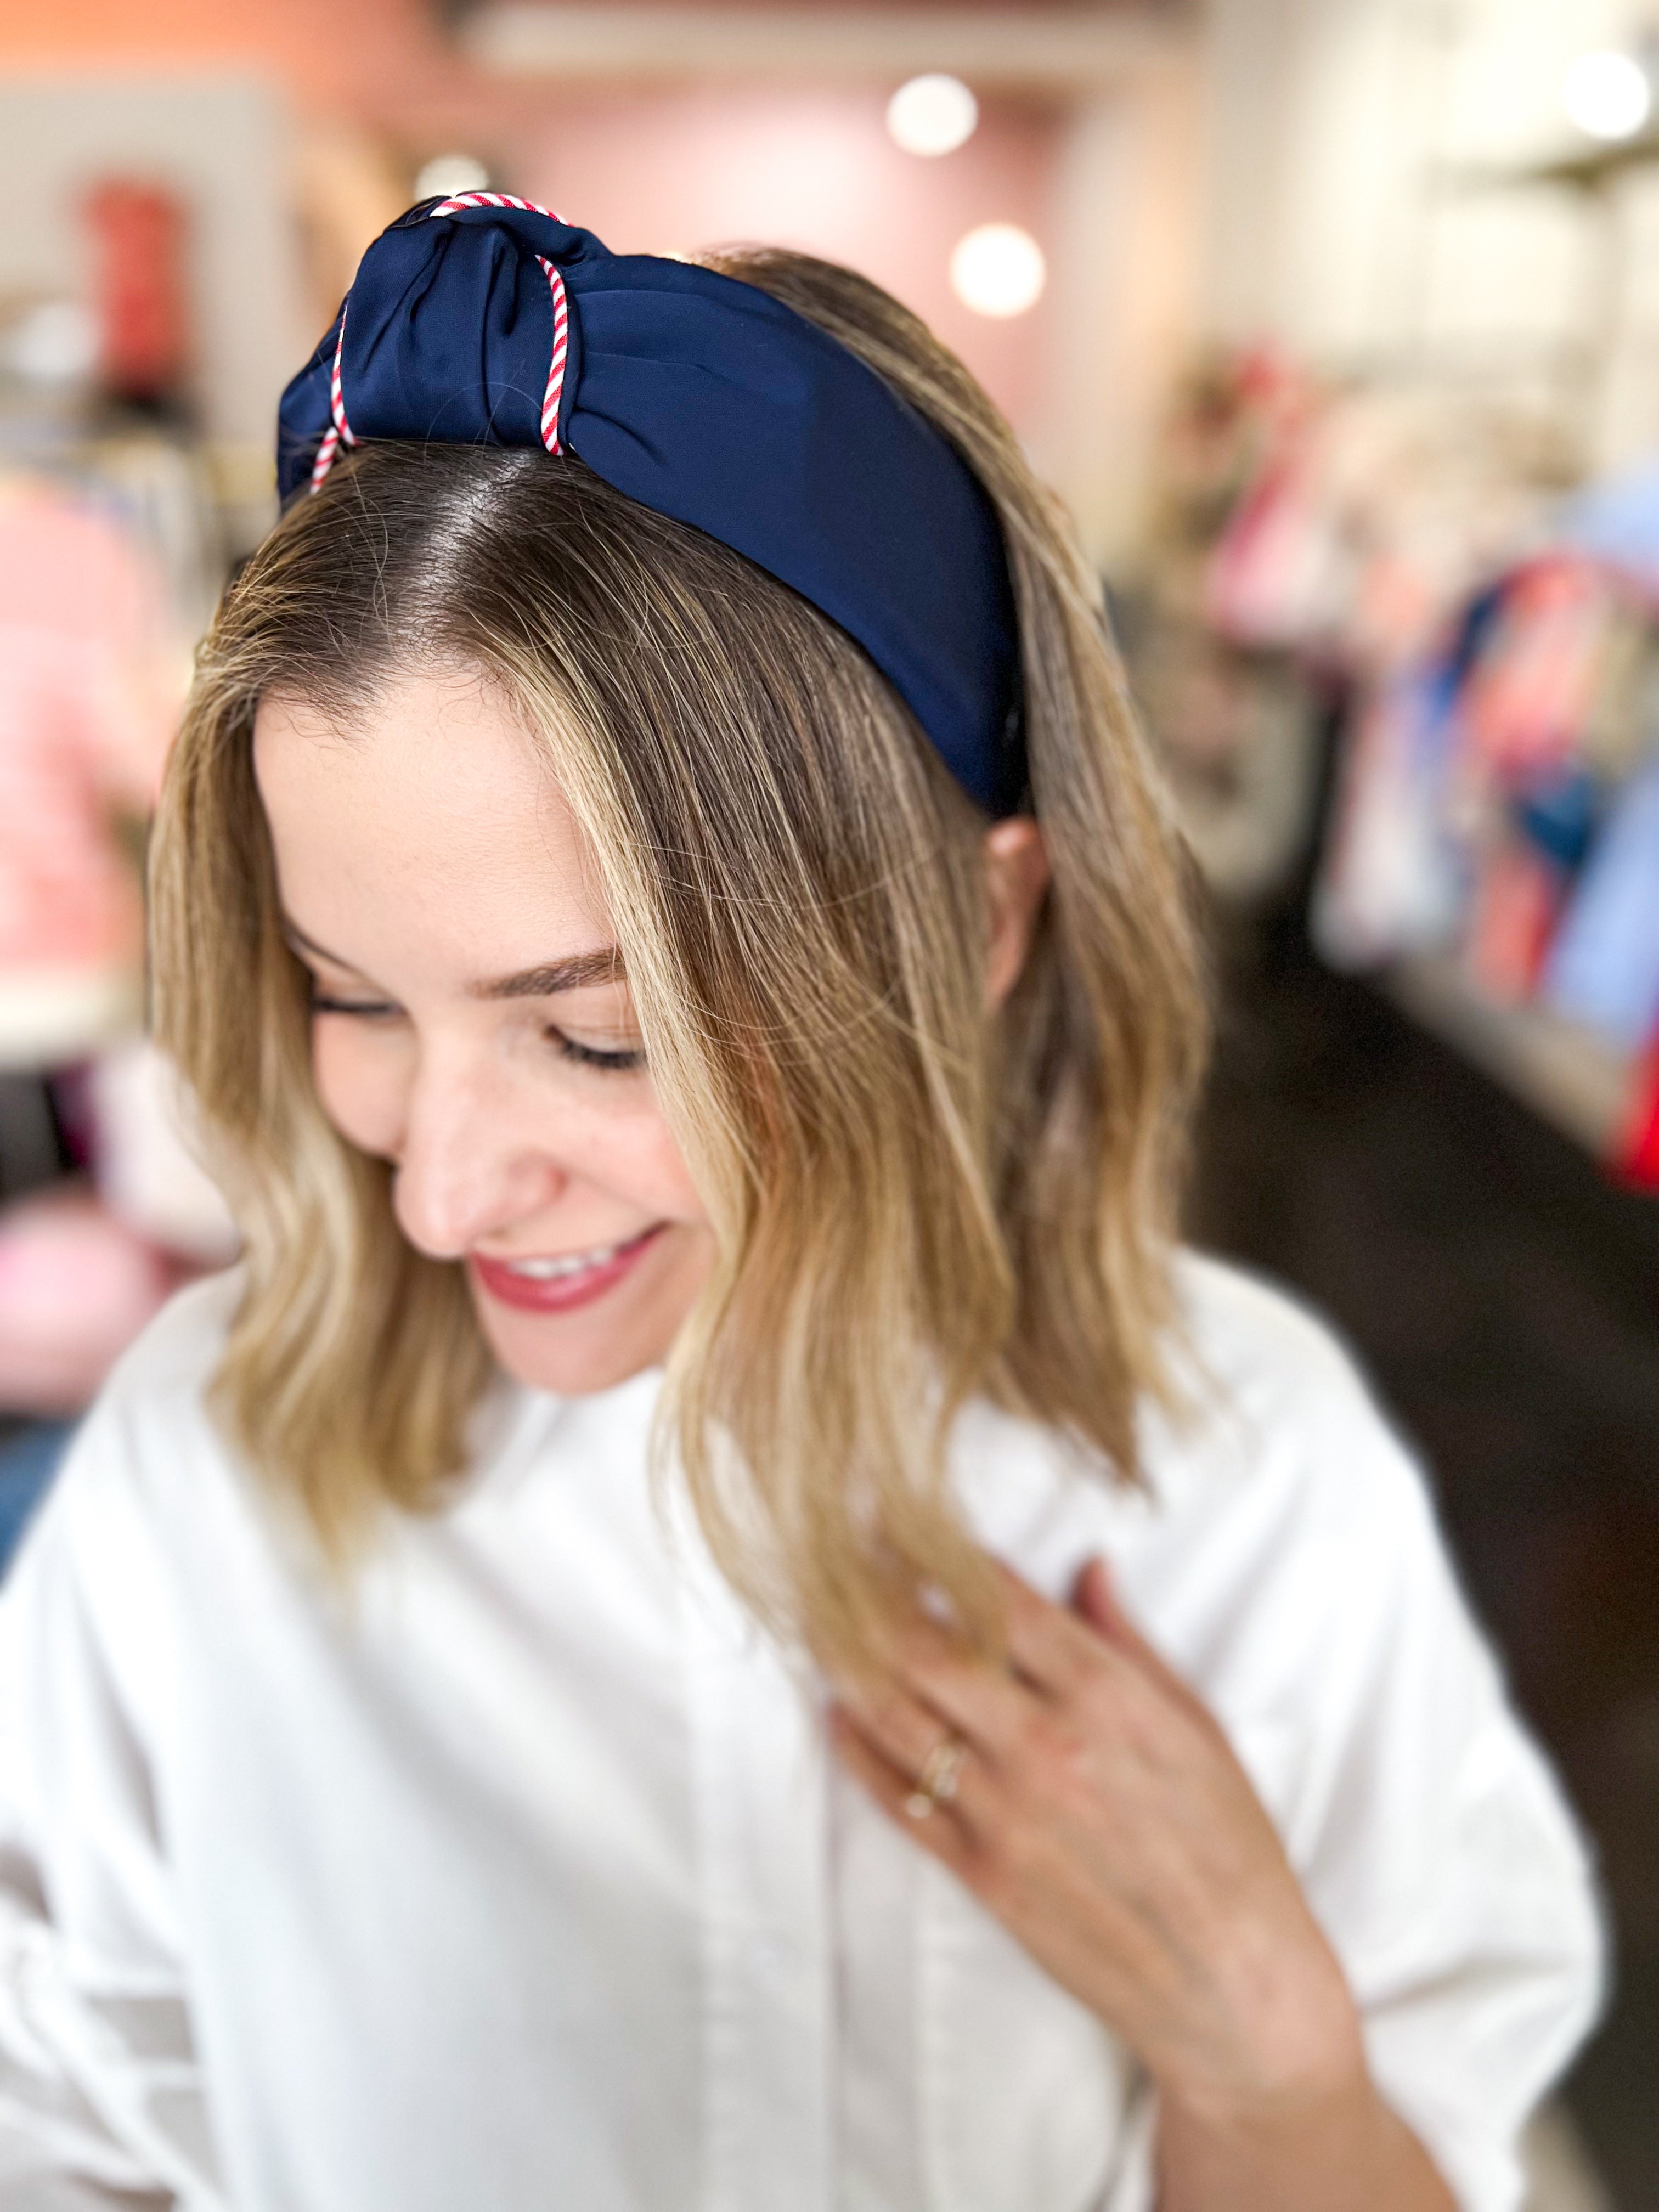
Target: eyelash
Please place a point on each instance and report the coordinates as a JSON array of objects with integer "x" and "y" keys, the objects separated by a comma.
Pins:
[
  {"x": 584, "y": 1055},
  {"x": 611, "y": 1063}
]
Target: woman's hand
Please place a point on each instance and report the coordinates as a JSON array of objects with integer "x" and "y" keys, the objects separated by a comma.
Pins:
[{"x": 1098, "y": 1810}]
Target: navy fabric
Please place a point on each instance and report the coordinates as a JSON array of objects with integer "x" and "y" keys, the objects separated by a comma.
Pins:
[{"x": 709, "y": 401}]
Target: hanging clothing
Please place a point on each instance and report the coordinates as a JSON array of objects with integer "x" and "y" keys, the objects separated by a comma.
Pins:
[
  {"x": 90, "y": 692},
  {"x": 516, "y": 1874}
]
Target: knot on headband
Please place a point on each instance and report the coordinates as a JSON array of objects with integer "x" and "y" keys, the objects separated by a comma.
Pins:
[{"x": 485, "y": 319}]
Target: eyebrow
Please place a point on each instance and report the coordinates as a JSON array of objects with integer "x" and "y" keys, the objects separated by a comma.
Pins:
[{"x": 580, "y": 972}]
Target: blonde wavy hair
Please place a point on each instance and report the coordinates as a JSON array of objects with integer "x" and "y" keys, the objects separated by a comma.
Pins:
[{"x": 916, "y": 1200}]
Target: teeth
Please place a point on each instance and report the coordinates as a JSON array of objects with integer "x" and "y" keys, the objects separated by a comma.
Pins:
[{"x": 548, "y": 1271}]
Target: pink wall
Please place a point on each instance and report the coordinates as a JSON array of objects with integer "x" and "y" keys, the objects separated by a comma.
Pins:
[
  {"x": 654, "y": 171},
  {"x": 377, "y": 61}
]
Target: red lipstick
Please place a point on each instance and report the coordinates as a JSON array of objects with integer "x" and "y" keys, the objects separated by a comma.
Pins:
[{"x": 572, "y": 1285}]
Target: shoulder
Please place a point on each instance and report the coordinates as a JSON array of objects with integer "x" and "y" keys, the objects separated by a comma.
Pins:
[
  {"x": 147, "y": 1449},
  {"x": 1278, "y": 1515},
  {"x": 180, "y": 1348},
  {"x": 1299, "y": 1579},
  {"x": 1251, "y": 1347},
  {"x": 1291, "y": 1563},
  {"x": 1289, "y": 1555},
  {"x": 1253, "y": 1330},
  {"x": 1273, "y": 1412},
  {"x": 1269, "y": 1451},
  {"x": 148, "y": 1511}
]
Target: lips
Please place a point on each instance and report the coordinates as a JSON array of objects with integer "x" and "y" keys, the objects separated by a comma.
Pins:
[{"x": 556, "y": 1285}]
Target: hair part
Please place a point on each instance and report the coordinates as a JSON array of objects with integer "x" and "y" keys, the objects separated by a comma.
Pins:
[{"x": 916, "y": 1200}]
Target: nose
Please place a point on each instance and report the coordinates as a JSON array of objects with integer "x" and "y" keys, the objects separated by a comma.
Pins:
[{"x": 470, "y": 1166}]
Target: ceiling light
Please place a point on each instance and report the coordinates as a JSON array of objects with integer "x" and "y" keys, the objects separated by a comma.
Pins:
[
  {"x": 931, "y": 115},
  {"x": 1607, "y": 95},
  {"x": 998, "y": 269},
  {"x": 447, "y": 174}
]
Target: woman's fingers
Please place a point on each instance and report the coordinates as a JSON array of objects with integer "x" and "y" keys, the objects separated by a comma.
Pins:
[
  {"x": 987, "y": 1705},
  {"x": 1094, "y": 1601},
  {"x": 1053, "y": 1659},
  {"x": 1085, "y": 1795},
  {"x": 942, "y": 1832},
  {"x": 1075, "y": 1678},
  {"x": 1048, "y": 1644},
  {"x": 931, "y": 1758}
]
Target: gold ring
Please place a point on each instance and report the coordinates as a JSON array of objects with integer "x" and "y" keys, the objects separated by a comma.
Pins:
[{"x": 936, "y": 1784}]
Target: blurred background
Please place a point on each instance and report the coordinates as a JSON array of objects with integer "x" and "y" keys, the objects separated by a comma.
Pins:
[{"x": 1336, "y": 322}]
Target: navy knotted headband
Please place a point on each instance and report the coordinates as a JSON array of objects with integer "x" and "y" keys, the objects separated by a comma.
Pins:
[{"x": 483, "y": 319}]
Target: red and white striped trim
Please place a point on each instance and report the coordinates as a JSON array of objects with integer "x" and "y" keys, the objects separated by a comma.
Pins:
[
  {"x": 339, "y": 432},
  {"x": 560, "y": 305},
  {"x": 324, "y": 461},
  {"x": 555, "y": 370},
  {"x": 493, "y": 199}
]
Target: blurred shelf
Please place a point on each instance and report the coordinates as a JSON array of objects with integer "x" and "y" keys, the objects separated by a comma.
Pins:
[
  {"x": 1054, "y": 47},
  {"x": 1586, "y": 169},
  {"x": 1569, "y": 1076},
  {"x": 51, "y": 1016}
]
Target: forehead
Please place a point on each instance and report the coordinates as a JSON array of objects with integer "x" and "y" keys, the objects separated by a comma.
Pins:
[{"x": 428, "y": 827}]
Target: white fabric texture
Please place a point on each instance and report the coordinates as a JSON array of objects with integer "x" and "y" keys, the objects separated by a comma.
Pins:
[{"x": 518, "y": 1876}]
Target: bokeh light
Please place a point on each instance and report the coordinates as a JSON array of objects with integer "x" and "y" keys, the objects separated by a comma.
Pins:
[
  {"x": 449, "y": 173},
  {"x": 1607, "y": 95},
  {"x": 998, "y": 269},
  {"x": 931, "y": 115}
]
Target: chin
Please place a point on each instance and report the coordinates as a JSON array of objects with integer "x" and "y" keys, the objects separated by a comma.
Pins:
[{"x": 573, "y": 1356}]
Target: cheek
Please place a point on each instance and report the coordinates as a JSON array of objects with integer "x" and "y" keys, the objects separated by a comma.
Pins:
[
  {"x": 360, "y": 1086},
  {"x": 361, "y": 1078},
  {"x": 634, "y": 1154}
]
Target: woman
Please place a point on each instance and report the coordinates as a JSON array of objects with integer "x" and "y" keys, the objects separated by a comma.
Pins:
[{"x": 715, "y": 1617}]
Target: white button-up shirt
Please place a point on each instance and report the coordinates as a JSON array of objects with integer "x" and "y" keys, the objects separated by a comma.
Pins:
[{"x": 515, "y": 1874}]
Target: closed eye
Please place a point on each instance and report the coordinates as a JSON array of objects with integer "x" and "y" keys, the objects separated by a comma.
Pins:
[
  {"x": 587, "y": 1055},
  {"x": 568, "y": 1048},
  {"x": 370, "y": 1009}
]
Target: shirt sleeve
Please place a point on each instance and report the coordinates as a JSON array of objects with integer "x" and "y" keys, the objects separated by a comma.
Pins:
[
  {"x": 100, "y": 2100},
  {"x": 1431, "y": 1839}
]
